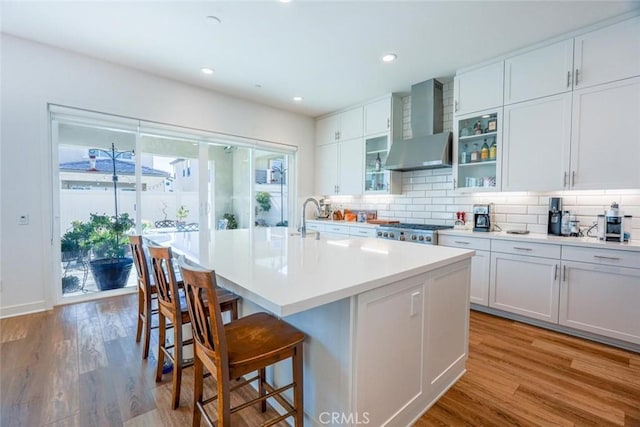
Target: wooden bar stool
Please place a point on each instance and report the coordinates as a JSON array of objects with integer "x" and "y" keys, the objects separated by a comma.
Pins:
[
  {"x": 146, "y": 293},
  {"x": 240, "y": 347},
  {"x": 172, "y": 307}
]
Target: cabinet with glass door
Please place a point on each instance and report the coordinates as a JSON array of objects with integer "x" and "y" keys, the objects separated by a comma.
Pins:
[
  {"x": 377, "y": 179},
  {"x": 477, "y": 151}
]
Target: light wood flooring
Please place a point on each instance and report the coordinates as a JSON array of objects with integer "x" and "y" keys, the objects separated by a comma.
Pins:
[{"x": 79, "y": 365}]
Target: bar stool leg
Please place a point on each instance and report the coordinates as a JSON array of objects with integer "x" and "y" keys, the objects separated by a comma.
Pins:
[
  {"x": 140, "y": 311},
  {"x": 162, "y": 332},
  {"x": 147, "y": 325},
  {"x": 261, "y": 391},
  {"x": 177, "y": 363},
  {"x": 297, "y": 390},
  {"x": 198, "y": 385}
]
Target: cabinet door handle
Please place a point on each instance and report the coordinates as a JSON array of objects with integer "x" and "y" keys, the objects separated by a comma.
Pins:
[
  {"x": 612, "y": 258},
  {"x": 454, "y": 184},
  {"x": 577, "y": 77},
  {"x": 388, "y": 123},
  {"x": 564, "y": 273},
  {"x": 565, "y": 179},
  {"x": 456, "y": 106},
  {"x": 555, "y": 273},
  {"x": 573, "y": 178},
  {"x": 522, "y": 249},
  {"x": 568, "y": 79},
  {"x": 461, "y": 243}
]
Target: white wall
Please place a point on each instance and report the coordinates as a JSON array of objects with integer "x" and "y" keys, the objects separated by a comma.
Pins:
[{"x": 33, "y": 75}]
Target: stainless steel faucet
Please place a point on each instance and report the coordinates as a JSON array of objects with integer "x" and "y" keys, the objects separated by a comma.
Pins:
[{"x": 303, "y": 227}]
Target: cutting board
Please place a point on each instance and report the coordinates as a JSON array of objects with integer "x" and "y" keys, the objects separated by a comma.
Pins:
[{"x": 383, "y": 221}]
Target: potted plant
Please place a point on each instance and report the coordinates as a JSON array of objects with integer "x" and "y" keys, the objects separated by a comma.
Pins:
[
  {"x": 263, "y": 198},
  {"x": 109, "y": 244},
  {"x": 181, "y": 214},
  {"x": 232, "y": 223}
]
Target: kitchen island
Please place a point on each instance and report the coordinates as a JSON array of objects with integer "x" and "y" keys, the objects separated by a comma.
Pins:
[{"x": 386, "y": 321}]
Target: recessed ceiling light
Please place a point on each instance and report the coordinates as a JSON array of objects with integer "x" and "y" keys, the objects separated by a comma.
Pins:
[
  {"x": 297, "y": 98},
  {"x": 285, "y": 1},
  {"x": 389, "y": 57},
  {"x": 213, "y": 19},
  {"x": 206, "y": 70}
]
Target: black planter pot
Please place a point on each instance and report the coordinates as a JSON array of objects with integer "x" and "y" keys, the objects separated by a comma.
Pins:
[{"x": 111, "y": 273}]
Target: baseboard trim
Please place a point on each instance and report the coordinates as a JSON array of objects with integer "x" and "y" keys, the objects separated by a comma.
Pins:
[{"x": 20, "y": 309}]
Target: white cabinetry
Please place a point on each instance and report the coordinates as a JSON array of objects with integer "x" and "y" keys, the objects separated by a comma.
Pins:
[
  {"x": 480, "y": 264},
  {"x": 541, "y": 72},
  {"x": 535, "y": 141},
  {"x": 599, "y": 296},
  {"x": 339, "y": 168},
  {"x": 339, "y": 126},
  {"x": 525, "y": 284},
  {"x": 479, "y": 89},
  {"x": 605, "y": 140},
  {"x": 609, "y": 54},
  {"x": 383, "y": 125},
  {"x": 423, "y": 321}
]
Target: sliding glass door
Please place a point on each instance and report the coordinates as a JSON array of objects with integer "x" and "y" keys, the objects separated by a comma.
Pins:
[{"x": 173, "y": 182}]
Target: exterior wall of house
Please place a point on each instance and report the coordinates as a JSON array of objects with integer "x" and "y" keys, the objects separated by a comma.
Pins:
[{"x": 33, "y": 75}]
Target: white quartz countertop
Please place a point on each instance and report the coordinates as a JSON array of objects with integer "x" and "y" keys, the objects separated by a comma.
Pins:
[
  {"x": 591, "y": 242},
  {"x": 285, "y": 274},
  {"x": 350, "y": 223}
]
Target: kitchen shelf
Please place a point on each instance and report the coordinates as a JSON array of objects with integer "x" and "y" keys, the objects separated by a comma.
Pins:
[
  {"x": 377, "y": 151},
  {"x": 478, "y": 136},
  {"x": 486, "y": 162}
]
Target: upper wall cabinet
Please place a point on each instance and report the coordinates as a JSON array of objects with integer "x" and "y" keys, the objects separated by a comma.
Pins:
[
  {"x": 542, "y": 72},
  {"x": 340, "y": 126},
  {"x": 601, "y": 56},
  {"x": 609, "y": 54},
  {"x": 479, "y": 89}
]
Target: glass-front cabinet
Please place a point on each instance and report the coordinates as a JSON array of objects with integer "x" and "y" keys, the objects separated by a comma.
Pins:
[
  {"x": 376, "y": 178},
  {"x": 477, "y": 151}
]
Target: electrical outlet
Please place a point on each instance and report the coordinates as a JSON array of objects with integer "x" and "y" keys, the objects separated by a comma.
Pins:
[{"x": 23, "y": 219}]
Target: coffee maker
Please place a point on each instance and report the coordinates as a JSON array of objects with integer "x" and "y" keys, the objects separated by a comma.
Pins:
[
  {"x": 482, "y": 218},
  {"x": 613, "y": 226},
  {"x": 554, "y": 224}
]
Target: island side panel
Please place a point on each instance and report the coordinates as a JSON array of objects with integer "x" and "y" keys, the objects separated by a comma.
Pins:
[
  {"x": 327, "y": 360},
  {"x": 411, "y": 344}
]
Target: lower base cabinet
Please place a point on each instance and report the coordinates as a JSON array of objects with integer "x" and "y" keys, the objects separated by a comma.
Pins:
[
  {"x": 480, "y": 264},
  {"x": 525, "y": 285},
  {"x": 601, "y": 299}
]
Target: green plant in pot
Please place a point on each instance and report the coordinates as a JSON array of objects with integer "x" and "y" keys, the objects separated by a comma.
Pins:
[
  {"x": 232, "y": 223},
  {"x": 263, "y": 198},
  {"x": 109, "y": 245},
  {"x": 181, "y": 215}
]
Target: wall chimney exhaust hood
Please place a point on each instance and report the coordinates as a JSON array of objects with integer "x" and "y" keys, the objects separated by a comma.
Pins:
[{"x": 430, "y": 148}]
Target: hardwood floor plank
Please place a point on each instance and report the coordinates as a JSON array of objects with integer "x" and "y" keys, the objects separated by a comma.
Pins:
[
  {"x": 610, "y": 372},
  {"x": 98, "y": 399},
  {"x": 150, "y": 418},
  {"x": 90, "y": 345},
  {"x": 110, "y": 321},
  {"x": 61, "y": 395}
]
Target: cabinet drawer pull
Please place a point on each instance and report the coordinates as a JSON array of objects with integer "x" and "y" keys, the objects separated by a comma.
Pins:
[
  {"x": 607, "y": 257},
  {"x": 461, "y": 243},
  {"x": 522, "y": 249}
]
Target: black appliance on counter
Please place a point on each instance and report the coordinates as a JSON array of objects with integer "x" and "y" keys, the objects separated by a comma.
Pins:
[
  {"x": 482, "y": 218},
  {"x": 554, "y": 224},
  {"x": 418, "y": 233}
]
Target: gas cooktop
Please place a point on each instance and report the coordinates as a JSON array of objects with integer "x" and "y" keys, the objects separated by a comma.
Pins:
[{"x": 409, "y": 226}]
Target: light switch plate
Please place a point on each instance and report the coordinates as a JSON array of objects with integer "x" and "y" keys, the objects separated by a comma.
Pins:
[{"x": 23, "y": 219}]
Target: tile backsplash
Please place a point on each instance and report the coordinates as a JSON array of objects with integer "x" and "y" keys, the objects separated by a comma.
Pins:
[{"x": 428, "y": 196}]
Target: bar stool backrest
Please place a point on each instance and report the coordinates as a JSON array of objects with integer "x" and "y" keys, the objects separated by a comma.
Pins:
[
  {"x": 140, "y": 261},
  {"x": 165, "y": 278}
]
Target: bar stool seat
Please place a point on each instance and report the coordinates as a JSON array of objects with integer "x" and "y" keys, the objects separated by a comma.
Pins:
[{"x": 230, "y": 351}]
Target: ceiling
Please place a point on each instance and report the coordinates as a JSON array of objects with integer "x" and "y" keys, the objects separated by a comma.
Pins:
[{"x": 328, "y": 52}]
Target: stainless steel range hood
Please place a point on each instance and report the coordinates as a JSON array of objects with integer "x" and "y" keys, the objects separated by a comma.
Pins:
[{"x": 429, "y": 148}]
